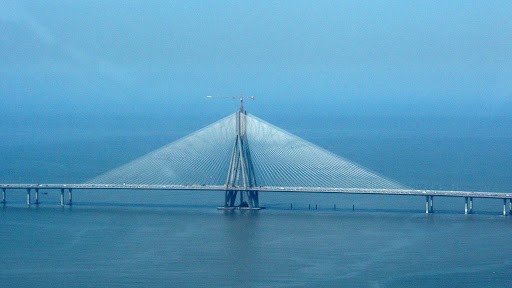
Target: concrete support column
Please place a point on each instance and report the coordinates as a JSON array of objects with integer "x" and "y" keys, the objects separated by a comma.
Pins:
[
  {"x": 70, "y": 197},
  {"x": 431, "y": 204},
  {"x": 504, "y": 207},
  {"x": 471, "y": 205},
  {"x": 28, "y": 197},
  {"x": 37, "y": 196},
  {"x": 428, "y": 203},
  {"x": 3, "y": 195},
  {"x": 61, "y": 197},
  {"x": 466, "y": 205},
  {"x": 510, "y": 209}
]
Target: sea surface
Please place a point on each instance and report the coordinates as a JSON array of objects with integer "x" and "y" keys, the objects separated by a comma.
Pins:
[{"x": 180, "y": 239}]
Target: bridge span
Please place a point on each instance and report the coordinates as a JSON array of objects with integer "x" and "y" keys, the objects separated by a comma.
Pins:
[
  {"x": 243, "y": 155},
  {"x": 428, "y": 194}
]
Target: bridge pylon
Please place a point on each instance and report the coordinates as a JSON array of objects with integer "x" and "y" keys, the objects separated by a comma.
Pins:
[{"x": 241, "y": 169}]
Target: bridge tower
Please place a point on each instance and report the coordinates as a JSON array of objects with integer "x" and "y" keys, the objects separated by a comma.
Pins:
[{"x": 241, "y": 169}]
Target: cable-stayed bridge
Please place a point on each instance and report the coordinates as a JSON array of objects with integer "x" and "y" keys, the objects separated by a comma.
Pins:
[{"x": 243, "y": 155}]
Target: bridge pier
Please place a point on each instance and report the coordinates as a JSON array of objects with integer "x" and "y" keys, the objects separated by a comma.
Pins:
[
  {"x": 61, "y": 197},
  {"x": 3, "y": 196},
  {"x": 70, "y": 194},
  {"x": 468, "y": 205},
  {"x": 37, "y": 196},
  {"x": 429, "y": 204},
  {"x": 229, "y": 198},
  {"x": 248, "y": 199},
  {"x": 505, "y": 207},
  {"x": 28, "y": 197},
  {"x": 255, "y": 199},
  {"x": 252, "y": 199}
]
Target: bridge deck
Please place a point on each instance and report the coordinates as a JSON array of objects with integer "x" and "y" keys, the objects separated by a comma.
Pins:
[{"x": 410, "y": 192}]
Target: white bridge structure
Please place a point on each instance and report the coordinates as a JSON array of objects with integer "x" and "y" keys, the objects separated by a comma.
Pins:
[{"x": 243, "y": 155}]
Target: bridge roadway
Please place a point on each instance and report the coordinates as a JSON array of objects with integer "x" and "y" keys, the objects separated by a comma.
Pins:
[{"x": 429, "y": 194}]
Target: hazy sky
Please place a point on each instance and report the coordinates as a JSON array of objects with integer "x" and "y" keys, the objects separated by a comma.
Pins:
[{"x": 330, "y": 57}]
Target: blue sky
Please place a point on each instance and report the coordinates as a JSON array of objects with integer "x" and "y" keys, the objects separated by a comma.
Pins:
[{"x": 306, "y": 57}]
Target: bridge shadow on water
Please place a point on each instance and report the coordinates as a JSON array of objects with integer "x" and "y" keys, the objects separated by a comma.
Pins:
[
  {"x": 372, "y": 210},
  {"x": 307, "y": 209},
  {"x": 142, "y": 205}
]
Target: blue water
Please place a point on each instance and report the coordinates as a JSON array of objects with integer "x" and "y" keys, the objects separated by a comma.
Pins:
[{"x": 154, "y": 239}]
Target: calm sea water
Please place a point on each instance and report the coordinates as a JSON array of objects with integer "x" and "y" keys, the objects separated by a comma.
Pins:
[{"x": 155, "y": 239}]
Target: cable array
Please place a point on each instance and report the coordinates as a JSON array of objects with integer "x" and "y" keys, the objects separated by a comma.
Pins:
[
  {"x": 280, "y": 159},
  {"x": 201, "y": 158}
]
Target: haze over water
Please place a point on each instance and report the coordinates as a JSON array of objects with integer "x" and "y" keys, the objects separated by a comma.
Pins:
[{"x": 417, "y": 92}]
